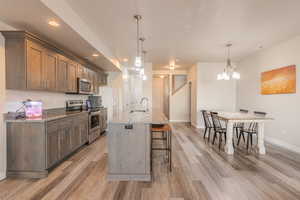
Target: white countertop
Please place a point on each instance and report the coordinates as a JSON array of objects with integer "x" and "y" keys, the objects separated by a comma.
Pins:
[{"x": 151, "y": 117}]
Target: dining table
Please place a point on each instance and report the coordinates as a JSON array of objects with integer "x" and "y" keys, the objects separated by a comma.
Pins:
[{"x": 231, "y": 118}]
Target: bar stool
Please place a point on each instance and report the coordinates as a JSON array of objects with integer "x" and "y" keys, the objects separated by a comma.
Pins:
[{"x": 166, "y": 137}]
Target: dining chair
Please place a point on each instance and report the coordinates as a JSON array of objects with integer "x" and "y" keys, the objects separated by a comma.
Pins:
[
  {"x": 238, "y": 126},
  {"x": 219, "y": 130},
  {"x": 207, "y": 124},
  {"x": 251, "y": 130}
]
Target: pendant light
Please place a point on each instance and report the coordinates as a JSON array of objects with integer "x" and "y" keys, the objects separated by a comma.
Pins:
[
  {"x": 229, "y": 71},
  {"x": 138, "y": 58},
  {"x": 144, "y": 77}
]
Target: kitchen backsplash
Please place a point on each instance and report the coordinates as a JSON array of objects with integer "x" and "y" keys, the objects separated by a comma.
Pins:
[{"x": 13, "y": 99}]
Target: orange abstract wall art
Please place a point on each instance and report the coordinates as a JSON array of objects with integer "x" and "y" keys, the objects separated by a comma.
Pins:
[{"x": 279, "y": 81}]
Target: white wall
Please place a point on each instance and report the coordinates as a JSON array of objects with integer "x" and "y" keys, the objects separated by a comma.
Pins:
[
  {"x": 157, "y": 94},
  {"x": 211, "y": 94},
  {"x": 180, "y": 105},
  {"x": 284, "y": 108},
  {"x": 179, "y": 102},
  {"x": 2, "y": 103}
]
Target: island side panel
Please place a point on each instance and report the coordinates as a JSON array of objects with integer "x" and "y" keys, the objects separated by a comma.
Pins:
[
  {"x": 26, "y": 146},
  {"x": 129, "y": 151}
]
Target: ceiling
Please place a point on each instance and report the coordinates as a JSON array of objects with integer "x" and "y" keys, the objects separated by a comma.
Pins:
[
  {"x": 33, "y": 16},
  {"x": 193, "y": 30},
  {"x": 187, "y": 30}
]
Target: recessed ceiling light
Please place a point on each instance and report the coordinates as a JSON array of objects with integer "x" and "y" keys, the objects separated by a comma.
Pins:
[
  {"x": 161, "y": 76},
  {"x": 125, "y": 59},
  {"x": 53, "y": 23},
  {"x": 95, "y": 55}
]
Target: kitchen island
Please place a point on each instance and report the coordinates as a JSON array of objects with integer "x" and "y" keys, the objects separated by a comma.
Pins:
[{"x": 129, "y": 144}]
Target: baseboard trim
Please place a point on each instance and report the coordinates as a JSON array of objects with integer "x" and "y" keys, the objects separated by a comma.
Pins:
[
  {"x": 2, "y": 175},
  {"x": 196, "y": 126},
  {"x": 175, "y": 120},
  {"x": 283, "y": 144}
]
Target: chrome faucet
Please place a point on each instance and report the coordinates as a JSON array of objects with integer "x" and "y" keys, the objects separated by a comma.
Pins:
[{"x": 142, "y": 101}]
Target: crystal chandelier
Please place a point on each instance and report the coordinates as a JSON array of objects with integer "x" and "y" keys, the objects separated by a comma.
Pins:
[{"x": 229, "y": 71}]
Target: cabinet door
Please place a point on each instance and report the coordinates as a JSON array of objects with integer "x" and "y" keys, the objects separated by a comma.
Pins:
[
  {"x": 72, "y": 77},
  {"x": 52, "y": 143},
  {"x": 84, "y": 128},
  {"x": 90, "y": 75},
  {"x": 62, "y": 74},
  {"x": 85, "y": 73},
  {"x": 96, "y": 83},
  {"x": 65, "y": 137},
  {"x": 75, "y": 133},
  {"x": 104, "y": 79},
  {"x": 49, "y": 70},
  {"x": 80, "y": 71},
  {"x": 35, "y": 54}
]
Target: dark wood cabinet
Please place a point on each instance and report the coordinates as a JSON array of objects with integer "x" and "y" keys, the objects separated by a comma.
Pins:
[
  {"x": 34, "y": 72},
  {"x": 35, "y": 147},
  {"x": 50, "y": 70},
  {"x": 35, "y": 64}
]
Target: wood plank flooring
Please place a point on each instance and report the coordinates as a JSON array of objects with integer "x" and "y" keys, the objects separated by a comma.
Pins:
[{"x": 200, "y": 171}]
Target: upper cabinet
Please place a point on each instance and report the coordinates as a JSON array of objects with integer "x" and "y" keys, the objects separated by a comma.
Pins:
[
  {"x": 62, "y": 74},
  {"x": 35, "y": 64},
  {"x": 49, "y": 70},
  {"x": 102, "y": 79},
  {"x": 72, "y": 77}
]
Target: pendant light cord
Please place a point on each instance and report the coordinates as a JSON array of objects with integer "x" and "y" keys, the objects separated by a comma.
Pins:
[{"x": 138, "y": 35}]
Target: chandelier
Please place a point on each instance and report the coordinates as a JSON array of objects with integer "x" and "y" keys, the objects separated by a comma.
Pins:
[{"x": 229, "y": 71}]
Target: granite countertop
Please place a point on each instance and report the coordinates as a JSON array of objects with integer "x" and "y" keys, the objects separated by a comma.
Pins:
[
  {"x": 48, "y": 115},
  {"x": 151, "y": 117}
]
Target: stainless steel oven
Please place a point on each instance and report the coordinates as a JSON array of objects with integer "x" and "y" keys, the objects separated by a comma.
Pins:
[
  {"x": 84, "y": 86},
  {"x": 94, "y": 125},
  {"x": 95, "y": 119}
]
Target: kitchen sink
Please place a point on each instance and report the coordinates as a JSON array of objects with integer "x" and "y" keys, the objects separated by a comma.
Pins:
[{"x": 133, "y": 111}]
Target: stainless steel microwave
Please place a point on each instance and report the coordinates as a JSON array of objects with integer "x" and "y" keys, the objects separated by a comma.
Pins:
[{"x": 84, "y": 86}]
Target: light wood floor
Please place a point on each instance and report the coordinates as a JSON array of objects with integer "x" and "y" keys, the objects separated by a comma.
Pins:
[{"x": 200, "y": 171}]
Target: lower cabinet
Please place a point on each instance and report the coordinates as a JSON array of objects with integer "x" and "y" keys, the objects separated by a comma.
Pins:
[
  {"x": 65, "y": 138},
  {"x": 68, "y": 135},
  {"x": 53, "y": 154},
  {"x": 35, "y": 147}
]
